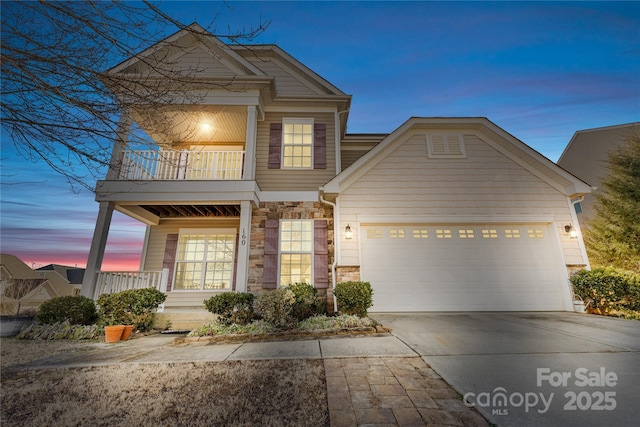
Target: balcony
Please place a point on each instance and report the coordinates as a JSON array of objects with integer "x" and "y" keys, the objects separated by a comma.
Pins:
[{"x": 165, "y": 165}]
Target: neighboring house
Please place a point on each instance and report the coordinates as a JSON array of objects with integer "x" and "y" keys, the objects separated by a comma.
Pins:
[
  {"x": 441, "y": 214},
  {"x": 74, "y": 275},
  {"x": 586, "y": 157},
  {"x": 23, "y": 289}
]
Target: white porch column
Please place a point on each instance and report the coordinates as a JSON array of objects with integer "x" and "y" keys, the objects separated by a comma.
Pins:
[
  {"x": 120, "y": 142},
  {"x": 96, "y": 253},
  {"x": 242, "y": 274},
  {"x": 250, "y": 144}
]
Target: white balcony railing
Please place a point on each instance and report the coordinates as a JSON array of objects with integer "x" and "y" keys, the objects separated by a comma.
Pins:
[
  {"x": 111, "y": 282},
  {"x": 181, "y": 165}
]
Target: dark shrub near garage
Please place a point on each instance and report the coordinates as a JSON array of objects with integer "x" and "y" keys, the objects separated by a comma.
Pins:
[
  {"x": 77, "y": 310},
  {"x": 608, "y": 288},
  {"x": 354, "y": 297}
]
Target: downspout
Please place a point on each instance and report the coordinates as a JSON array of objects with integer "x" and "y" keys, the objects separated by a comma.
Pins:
[{"x": 336, "y": 243}]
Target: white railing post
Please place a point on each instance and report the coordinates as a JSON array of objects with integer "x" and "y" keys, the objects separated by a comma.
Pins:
[{"x": 164, "y": 280}]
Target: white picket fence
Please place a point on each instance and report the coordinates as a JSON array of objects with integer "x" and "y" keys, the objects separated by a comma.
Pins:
[{"x": 111, "y": 282}]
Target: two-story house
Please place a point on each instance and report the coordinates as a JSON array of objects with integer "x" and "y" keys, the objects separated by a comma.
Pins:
[{"x": 258, "y": 185}]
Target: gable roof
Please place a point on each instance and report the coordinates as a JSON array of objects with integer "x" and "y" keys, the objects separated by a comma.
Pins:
[
  {"x": 198, "y": 54},
  {"x": 586, "y": 154},
  {"x": 487, "y": 131},
  {"x": 74, "y": 275},
  {"x": 17, "y": 268},
  {"x": 183, "y": 41}
]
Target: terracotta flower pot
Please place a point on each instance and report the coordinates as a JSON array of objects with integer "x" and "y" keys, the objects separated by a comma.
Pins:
[
  {"x": 113, "y": 333},
  {"x": 126, "y": 333}
]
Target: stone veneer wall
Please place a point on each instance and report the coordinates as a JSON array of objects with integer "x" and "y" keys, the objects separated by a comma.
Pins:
[
  {"x": 285, "y": 210},
  {"x": 347, "y": 273}
]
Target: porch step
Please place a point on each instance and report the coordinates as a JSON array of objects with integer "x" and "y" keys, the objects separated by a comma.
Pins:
[{"x": 187, "y": 318}]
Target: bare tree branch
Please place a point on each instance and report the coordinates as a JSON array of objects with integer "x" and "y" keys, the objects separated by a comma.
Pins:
[{"x": 58, "y": 100}]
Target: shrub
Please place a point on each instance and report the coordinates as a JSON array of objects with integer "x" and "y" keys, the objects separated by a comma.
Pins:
[
  {"x": 60, "y": 331},
  {"x": 276, "y": 307},
  {"x": 77, "y": 310},
  {"x": 257, "y": 327},
  {"x": 232, "y": 307},
  {"x": 131, "y": 307},
  {"x": 354, "y": 297},
  {"x": 306, "y": 302},
  {"x": 609, "y": 288}
]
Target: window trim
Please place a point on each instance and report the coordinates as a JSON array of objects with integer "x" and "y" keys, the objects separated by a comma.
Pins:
[
  {"x": 206, "y": 231},
  {"x": 302, "y": 121},
  {"x": 311, "y": 252}
]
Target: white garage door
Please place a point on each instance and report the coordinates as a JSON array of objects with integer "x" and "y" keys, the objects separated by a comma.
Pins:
[{"x": 462, "y": 267}]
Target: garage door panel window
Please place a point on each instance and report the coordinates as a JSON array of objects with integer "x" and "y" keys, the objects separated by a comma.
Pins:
[
  {"x": 535, "y": 234},
  {"x": 421, "y": 233}
]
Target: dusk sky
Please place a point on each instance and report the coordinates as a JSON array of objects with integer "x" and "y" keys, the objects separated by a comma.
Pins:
[{"x": 539, "y": 70}]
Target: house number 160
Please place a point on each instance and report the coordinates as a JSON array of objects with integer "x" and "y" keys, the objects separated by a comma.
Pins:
[{"x": 243, "y": 238}]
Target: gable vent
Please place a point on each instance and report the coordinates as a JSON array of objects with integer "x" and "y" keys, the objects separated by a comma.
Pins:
[{"x": 445, "y": 146}]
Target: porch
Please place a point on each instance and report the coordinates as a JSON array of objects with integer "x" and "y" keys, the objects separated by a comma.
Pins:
[
  {"x": 163, "y": 165},
  {"x": 184, "y": 312}
]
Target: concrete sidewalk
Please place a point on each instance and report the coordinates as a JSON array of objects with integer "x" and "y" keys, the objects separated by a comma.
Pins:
[
  {"x": 162, "y": 349},
  {"x": 371, "y": 380}
]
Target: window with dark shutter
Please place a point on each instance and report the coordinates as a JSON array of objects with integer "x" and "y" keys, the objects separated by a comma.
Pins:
[
  {"x": 320, "y": 255},
  {"x": 320, "y": 146},
  {"x": 275, "y": 145},
  {"x": 170, "y": 257},
  {"x": 270, "y": 269}
]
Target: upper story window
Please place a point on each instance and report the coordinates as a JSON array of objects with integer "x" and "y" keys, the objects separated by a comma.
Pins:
[
  {"x": 297, "y": 143},
  {"x": 445, "y": 145}
]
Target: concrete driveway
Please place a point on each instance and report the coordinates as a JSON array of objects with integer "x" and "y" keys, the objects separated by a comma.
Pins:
[{"x": 532, "y": 368}]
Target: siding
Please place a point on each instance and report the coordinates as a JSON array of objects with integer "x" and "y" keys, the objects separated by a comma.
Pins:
[
  {"x": 485, "y": 183},
  {"x": 354, "y": 146},
  {"x": 293, "y": 180},
  {"x": 586, "y": 157},
  {"x": 155, "y": 255}
]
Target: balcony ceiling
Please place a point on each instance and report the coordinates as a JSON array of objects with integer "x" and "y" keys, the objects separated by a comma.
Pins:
[
  {"x": 194, "y": 124},
  {"x": 200, "y": 211}
]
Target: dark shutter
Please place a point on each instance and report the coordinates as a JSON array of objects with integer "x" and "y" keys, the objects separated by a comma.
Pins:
[
  {"x": 169, "y": 260},
  {"x": 320, "y": 254},
  {"x": 319, "y": 146},
  {"x": 270, "y": 270},
  {"x": 275, "y": 145}
]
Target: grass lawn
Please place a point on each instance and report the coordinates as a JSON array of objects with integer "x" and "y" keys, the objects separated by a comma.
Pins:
[{"x": 267, "y": 393}]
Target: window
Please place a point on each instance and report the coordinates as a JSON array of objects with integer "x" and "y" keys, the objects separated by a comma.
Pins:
[
  {"x": 297, "y": 143},
  {"x": 296, "y": 251},
  {"x": 512, "y": 234},
  {"x": 489, "y": 234},
  {"x": 535, "y": 234},
  {"x": 466, "y": 234},
  {"x": 205, "y": 260},
  {"x": 420, "y": 234},
  {"x": 445, "y": 146},
  {"x": 443, "y": 234},
  {"x": 374, "y": 233},
  {"x": 396, "y": 234},
  {"x": 578, "y": 207}
]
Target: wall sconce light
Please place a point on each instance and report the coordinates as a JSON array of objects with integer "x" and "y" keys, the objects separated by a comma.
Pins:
[
  {"x": 572, "y": 231},
  {"x": 347, "y": 232}
]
